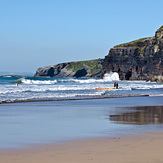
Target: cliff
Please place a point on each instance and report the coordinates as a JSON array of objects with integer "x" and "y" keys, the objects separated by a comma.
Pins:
[
  {"x": 91, "y": 68},
  {"x": 137, "y": 60}
]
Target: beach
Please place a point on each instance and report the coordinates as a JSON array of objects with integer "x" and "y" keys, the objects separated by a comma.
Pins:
[
  {"x": 120, "y": 130},
  {"x": 81, "y": 82},
  {"x": 146, "y": 147}
]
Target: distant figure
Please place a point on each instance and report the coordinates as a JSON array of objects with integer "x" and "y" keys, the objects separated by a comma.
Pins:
[
  {"x": 115, "y": 84},
  {"x": 16, "y": 85}
]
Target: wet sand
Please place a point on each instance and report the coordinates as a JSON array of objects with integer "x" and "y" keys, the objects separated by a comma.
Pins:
[
  {"x": 77, "y": 98},
  {"x": 144, "y": 148}
]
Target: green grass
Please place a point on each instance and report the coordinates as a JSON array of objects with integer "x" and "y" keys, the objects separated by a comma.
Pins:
[
  {"x": 161, "y": 28},
  {"x": 132, "y": 42},
  {"x": 92, "y": 64},
  {"x": 96, "y": 69}
]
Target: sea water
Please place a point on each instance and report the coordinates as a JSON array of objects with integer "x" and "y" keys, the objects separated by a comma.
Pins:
[{"x": 30, "y": 88}]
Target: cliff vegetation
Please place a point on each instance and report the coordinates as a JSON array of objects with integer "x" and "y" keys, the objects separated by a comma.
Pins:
[{"x": 89, "y": 68}]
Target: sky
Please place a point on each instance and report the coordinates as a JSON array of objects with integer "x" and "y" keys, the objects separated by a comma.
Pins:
[{"x": 37, "y": 33}]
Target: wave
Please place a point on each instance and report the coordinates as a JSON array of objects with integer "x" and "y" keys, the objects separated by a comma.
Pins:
[
  {"x": 112, "y": 76},
  {"x": 8, "y": 89},
  {"x": 82, "y": 87},
  {"x": 108, "y": 77},
  {"x": 43, "y": 89},
  {"x": 156, "y": 95},
  {"x": 34, "y": 88},
  {"x": 70, "y": 97},
  {"x": 49, "y": 96},
  {"x": 29, "y": 81}
]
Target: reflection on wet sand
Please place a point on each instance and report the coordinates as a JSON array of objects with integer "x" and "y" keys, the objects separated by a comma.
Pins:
[{"x": 139, "y": 115}]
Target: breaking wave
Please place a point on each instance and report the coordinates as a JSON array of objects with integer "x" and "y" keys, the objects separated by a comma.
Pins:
[
  {"x": 29, "y": 81},
  {"x": 113, "y": 76},
  {"x": 108, "y": 77},
  {"x": 41, "y": 88}
]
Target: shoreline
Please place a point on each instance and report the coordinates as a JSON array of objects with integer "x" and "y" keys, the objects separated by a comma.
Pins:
[
  {"x": 77, "y": 98},
  {"x": 144, "y": 147}
]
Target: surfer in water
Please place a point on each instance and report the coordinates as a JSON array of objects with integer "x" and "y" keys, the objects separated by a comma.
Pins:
[
  {"x": 116, "y": 85},
  {"x": 16, "y": 85}
]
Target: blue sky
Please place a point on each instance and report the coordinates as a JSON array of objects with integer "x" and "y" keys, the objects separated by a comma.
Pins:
[{"x": 36, "y": 33}]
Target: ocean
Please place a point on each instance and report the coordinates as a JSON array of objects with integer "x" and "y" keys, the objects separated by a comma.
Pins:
[{"x": 30, "y": 88}]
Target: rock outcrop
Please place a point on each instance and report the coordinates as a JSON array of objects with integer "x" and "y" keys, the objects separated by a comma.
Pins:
[
  {"x": 78, "y": 69},
  {"x": 137, "y": 60}
]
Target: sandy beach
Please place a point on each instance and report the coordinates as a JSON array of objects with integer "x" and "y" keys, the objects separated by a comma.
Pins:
[
  {"x": 144, "y": 148},
  {"x": 91, "y": 131}
]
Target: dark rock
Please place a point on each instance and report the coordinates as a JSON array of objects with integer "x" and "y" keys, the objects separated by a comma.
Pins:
[
  {"x": 80, "y": 73},
  {"x": 137, "y": 60},
  {"x": 128, "y": 74},
  {"x": 78, "y": 69},
  {"x": 51, "y": 72}
]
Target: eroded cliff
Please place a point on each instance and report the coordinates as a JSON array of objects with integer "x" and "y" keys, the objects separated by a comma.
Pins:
[
  {"x": 137, "y": 60},
  {"x": 91, "y": 68}
]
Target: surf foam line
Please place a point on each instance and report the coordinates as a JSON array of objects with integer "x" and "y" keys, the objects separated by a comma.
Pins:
[
  {"x": 29, "y": 81},
  {"x": 76, "y": 98},
  {"x": 108, "y": 77}
]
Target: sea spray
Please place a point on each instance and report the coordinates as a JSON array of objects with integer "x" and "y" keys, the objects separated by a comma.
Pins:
[
  {"x": 112, "y": 76},
  {"x": 108, "y": 77},
  {"x": 29, "y": 81}
]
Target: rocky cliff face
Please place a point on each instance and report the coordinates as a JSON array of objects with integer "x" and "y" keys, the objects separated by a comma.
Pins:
[
  {"x": 137, "y": 60},
  {"x": 90, "y": 68}
]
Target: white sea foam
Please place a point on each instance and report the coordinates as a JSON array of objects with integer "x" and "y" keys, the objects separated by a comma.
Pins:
[
  {"x": 43, "y": 88},
  {"x": 156, "y": 95},
  {"x": 82, "y": 81},
  {"x": 112, "y": 76},
  {"x": 28, "y": 81},
  {"x": 32, "y": 88},
  {"x": 108, "y": 77}
]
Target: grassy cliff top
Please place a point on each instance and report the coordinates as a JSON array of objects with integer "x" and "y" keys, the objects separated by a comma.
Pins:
[
  {"x": 161, "y": 28},
  {"x": 132, "y": 43},
  {"x": 92, "y": 64}
]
